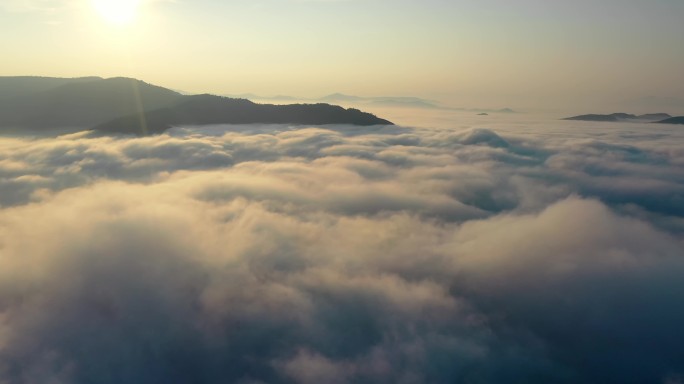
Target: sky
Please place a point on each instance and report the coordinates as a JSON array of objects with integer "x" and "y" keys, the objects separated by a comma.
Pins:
[
  {"x": 449, "y": 248},
  {"x": 486, "y": 53}
]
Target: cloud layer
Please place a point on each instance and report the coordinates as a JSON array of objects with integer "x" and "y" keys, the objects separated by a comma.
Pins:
[{"x": 343, "y": 255}]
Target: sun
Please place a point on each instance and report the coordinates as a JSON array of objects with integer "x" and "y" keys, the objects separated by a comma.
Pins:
[{"x": 118, "y": 12}]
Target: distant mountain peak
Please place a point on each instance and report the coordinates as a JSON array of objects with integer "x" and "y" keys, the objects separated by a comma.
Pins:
[
  {"x": 386, "y": 101},
  {"x": 672, "y": 120},
  {"x": 621, "y": 116}
]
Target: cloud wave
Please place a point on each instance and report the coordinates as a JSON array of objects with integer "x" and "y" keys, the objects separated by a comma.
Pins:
[{"x": 342, "y": 255}]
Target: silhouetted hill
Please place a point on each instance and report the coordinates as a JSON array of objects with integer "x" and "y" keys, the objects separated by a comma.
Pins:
[
  {"x": 210, "y": 109},
  {"x": 403, "y": 102},
  {"x": 672, "y": 120},
  {"x": 83, "y": 103},
  {"x": 654, "y": 116},
  {"x": 385, "y": 101},
  {"x": 616, "y": 117},
  {"x": 485, "y": 110},
  {"x": 12, "y": 87},
  {"x": 254, "y": 97},
  {"x": 133, "y": 106},
  {"x": 339, "y": 97},
  {"x": 592, "y": 117}
]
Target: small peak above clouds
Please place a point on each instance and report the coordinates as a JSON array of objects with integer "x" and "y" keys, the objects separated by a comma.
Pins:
[{"x": 623, "y": 117}]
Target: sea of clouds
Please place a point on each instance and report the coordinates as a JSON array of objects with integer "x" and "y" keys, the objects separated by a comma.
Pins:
[{"x": 539, "y": 253}]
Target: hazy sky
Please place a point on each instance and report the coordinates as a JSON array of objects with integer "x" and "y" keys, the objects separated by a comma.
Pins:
[{"x": 487, "y": 53}]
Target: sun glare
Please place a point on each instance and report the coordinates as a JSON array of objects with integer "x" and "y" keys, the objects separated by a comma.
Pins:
[{"x": 119, "y": 12}]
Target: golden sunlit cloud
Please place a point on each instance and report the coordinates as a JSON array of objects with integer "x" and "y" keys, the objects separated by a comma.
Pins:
[{"x": 119, "y": 12}]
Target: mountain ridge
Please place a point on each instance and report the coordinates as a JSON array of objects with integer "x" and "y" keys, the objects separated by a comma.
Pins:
[
  {"x": 672, "y": 120},
  {"x": 621, "y": 116},
  {"x": 210, "y": 109},
  {"x": 371, "y": 101},
  {"x": 92, "y": 102},
  {"x": 84, "y": 103}
]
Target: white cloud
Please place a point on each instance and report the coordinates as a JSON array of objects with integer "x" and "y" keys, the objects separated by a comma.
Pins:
[{"x": 341, "y": 255}]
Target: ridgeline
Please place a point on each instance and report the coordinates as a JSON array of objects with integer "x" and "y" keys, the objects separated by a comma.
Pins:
[{"x": 130, "y": 106}]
